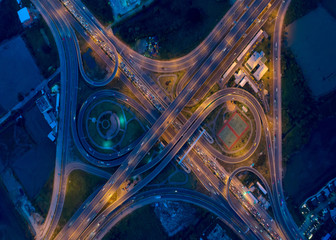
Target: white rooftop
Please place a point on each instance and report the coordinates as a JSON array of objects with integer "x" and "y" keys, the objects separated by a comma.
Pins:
[
  {"x": 23, "y": 14},
  {"x": 262, "y": 69},
  {"x": 253, "y": 61}
]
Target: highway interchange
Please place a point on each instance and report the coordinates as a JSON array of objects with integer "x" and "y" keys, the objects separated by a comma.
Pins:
[{"x": 204, "y": 65}]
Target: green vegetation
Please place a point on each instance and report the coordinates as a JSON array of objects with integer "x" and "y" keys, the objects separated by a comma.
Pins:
[
  {"x": 262, "y": 165},
  {"x": 215, "y": 122},
  {"x": 299, "y": 8},
  {"x": 133, "y": 132},
  {"x": 101, "y": 9},
  {"x": 178, "y": 177},
  {"x": 168, "y": 83},
  {"x": 129, "y": 131},
  {"x": 79, "y": 187},
  {"x": 231, "y": 82},
  {"x": 94, "y": 66},
  {"x": 42, "y": 46},
  {"x": 162, "y": 177},
  {"x": 228, "y": 137},
  {"x": 299, "y": 110},
  {"x": 10, "y": 18},
  {"x": 238, "y": 124},
  {"x": 43, "y": 198},
  {"x": 179, "y": 25},
  {"x": 155, "y": 150}
]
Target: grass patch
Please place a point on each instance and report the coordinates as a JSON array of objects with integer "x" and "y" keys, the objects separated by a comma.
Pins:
[
  {"x": 94, "y": 66},
  {"x": 133, "y": 132},
  {"x": 79, "y": 187},
  {"x": 298, "y": 106},
  {"x": 163, "y": 175},
  {"x": 41, "y": 44},
  {"x": 178, "y": 177},
  {"x": 179, "y": 25},
  {"x": 43, "y": 199}
]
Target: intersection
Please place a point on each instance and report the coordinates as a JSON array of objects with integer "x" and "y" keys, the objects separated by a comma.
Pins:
[{"x": 204, "y": 66}]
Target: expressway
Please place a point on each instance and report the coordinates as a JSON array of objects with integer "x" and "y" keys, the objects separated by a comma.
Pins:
[
  {"x": 168, "y": 153},
  {"x": 280, "y": 205},
  {"x": 149, "y": 178},
  {"x": 255, "y": 26},
  {"x": 182, "y": 119},
  {"x": 100, "y": 226},
  {"x": 58, "y": 212},
  {"x": 209, "y": 66},
  {"x": 162, "y": 123},
  {"x": 174, "y": 65},
  {"x": 68, "y": 73},
  {"x": 267, "y": 222}
]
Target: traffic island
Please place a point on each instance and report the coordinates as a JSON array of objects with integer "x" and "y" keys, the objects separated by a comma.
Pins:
[{"x": 108, "y": 127}]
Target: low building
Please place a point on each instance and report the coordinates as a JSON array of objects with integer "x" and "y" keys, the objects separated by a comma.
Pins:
[
  {"x": 326, "y": 192},
  {"x": 239, "y": 76},
  {"x": 252, "y": 197},
  {"x": 261, "y": 188},
  {"x": 254, "y": 60},
  {"x": 333, "y": 214},
  {"x": 262, "y": 69},
  {"x": 243, "y": 82},
  {"x": 50, "y": 118},
  {"x": 52, "y": 136},
  {"x": 24, "y": 15},
  {"x": 43, "y": 104}
]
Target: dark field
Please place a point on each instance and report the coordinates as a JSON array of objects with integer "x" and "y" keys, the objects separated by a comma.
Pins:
[
  {"x": 11, "y": 225},
  {"x": 313, "y": 166},
  {"x": 10, "y": 18},
  {"x": 179, "y": 25}
]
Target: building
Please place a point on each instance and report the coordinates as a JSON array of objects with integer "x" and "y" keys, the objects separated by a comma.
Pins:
[
  {"x": 52, "y": 136},
  {"x": 243, "y": 82},
  {"x": 239, "y": 76},
  {"x": 24, "y": 15},
  {"x": 252, "y": 197},
  {"x": 43, "y": 104},
  {"x": 264, "y": 202},
  {"x": 50, "y": 118},
  {"x": 261, "y": 188},
  {"x": 262, "y": 69},
  {"x": 254, "y": 60}
]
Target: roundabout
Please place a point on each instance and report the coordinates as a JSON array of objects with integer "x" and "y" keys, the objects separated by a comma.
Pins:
[{"x": 108, "y": 126}]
